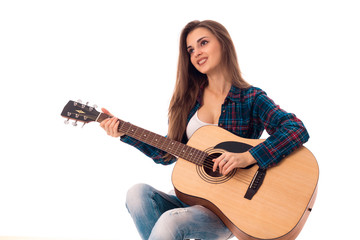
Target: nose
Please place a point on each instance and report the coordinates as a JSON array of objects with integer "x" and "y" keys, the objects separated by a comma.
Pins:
[{"x": 197, "y": 52}]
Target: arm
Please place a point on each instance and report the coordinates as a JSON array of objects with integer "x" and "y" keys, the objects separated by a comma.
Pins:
[
  {"x": 111, "y": 125},
  {"x": 287, "y": 132},
  {"x": 156, "y": 154}
]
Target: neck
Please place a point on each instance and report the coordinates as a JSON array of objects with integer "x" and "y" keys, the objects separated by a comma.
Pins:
[{"x": 219, "y": 84}]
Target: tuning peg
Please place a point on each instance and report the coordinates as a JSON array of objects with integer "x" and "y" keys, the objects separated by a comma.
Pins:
[
  {"x": 74, "y": 123},
  {"x": 66, "y": 121},
  {"x": 92, "y": 108},
  {"x": 83, "y": 125},
  {"x": 78, "y": 101}
]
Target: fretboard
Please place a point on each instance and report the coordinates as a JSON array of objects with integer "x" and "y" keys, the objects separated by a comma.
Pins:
[{"x": 175, "y": 148}]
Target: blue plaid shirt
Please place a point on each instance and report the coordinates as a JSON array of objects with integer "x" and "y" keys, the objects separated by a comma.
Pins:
[{"x": 246, "y": 113}]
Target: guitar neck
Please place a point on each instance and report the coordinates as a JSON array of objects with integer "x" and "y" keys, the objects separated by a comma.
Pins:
[{"x": 175, "y": 148}]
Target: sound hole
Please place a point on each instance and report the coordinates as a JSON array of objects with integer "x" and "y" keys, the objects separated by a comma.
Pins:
[
  {"x": 209, "y": 164},
  {"x": 205, "y": 170}
]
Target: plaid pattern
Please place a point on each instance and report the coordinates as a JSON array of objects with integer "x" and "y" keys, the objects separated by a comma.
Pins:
[{"x": 247, "y": 113}]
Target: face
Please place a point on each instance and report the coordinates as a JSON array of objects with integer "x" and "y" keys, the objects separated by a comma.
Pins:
[{"x": 204, "y": 50}]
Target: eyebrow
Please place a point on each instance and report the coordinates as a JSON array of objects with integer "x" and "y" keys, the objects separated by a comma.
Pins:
[{"x": 197, "y": 41}]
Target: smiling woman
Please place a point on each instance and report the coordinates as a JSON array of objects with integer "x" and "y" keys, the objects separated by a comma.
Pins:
[
  {"x": 202, "y": 44},
  {"x": 209, "y": 90}
]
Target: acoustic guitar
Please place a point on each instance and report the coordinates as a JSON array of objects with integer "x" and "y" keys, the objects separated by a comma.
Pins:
[{"x": 254, "y": 203}]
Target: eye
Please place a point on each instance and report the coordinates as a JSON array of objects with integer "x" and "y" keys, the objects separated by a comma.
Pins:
[
  {"x": 204, "y": 42},
  {"x": 190, "y": 50}
]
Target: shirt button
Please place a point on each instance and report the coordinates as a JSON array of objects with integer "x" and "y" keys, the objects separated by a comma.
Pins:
[{"x": 224, "y": 111}]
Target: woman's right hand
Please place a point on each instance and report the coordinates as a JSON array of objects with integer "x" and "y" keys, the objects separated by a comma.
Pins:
[{"x": 111, "y": 125}]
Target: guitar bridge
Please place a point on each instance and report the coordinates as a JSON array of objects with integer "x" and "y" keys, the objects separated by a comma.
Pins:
[{"x": 255, "y": 183}]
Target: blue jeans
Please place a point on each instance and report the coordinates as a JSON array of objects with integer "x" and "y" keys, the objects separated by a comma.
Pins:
[{"x": 160, "y": 216}]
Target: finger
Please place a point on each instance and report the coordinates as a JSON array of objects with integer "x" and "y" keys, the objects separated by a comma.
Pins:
[
  {"x": 104, "y": 110},
  {"x": 107, "y": 126},
  {"x": 116, "y": 127},
  {"x": 104, "y": 123},
  {"x": 223, "y": 163},
  {"x": 228, "y": 168},
  {"x": 217, "y": 161},
  {"x": 112, "y": 128}
]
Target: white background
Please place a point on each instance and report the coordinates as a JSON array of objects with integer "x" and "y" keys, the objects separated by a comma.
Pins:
[{"x": 61, "y": 181}]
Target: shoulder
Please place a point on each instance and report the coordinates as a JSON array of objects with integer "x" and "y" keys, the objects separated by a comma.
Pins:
[{"x": 245, "y": 94}]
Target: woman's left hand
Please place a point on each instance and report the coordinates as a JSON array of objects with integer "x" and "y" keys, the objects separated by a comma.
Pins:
[{"x": 229, "y": 161}]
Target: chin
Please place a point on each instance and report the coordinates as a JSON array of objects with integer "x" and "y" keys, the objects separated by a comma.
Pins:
[{"x": 202, "y": 70}]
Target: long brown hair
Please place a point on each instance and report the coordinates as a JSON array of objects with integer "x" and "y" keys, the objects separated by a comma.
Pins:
[{"x": 189, "y": 79}]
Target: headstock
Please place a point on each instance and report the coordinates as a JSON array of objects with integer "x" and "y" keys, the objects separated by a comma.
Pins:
[{"x": 79, "y": 112}]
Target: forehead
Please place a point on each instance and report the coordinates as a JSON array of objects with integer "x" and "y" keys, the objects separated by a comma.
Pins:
[{"x": 197, "y": 34}]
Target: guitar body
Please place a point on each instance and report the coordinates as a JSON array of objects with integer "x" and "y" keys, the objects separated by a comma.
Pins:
[{"x": 279, "y": 208}]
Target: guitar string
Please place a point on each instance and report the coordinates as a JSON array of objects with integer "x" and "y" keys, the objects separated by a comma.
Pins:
[
  {"x": 247, "y": 177},
  {"x": 197, "y": 161},
  {"x": 209, "y": 165}
]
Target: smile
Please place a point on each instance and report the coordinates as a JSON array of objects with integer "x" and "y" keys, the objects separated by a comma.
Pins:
[{"x": 202, "y": 61}]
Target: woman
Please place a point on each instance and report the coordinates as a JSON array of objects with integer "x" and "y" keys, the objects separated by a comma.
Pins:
[{"x": 209, "y": 90}]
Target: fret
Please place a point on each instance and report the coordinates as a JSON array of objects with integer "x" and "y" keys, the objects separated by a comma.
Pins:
[
  {"x": 155, "y": 140},
  {"x": 170, "y": 146},
  {"x": 125, "y": 127},
  {"x": 195, "y": 156},
  {"x": 134, "y": 130},
  {"x": 175, "y": 150},
  {"x": 162, "y": 142},
  {"x": 198, "y": 156},
  {"x": 146, "y": 135},
  {"x": 184, "y": 152},
  {"x": 201, "y": 158},
  {"x": 101, "y": 117},
  {"x": 191, "y": 155},
  {"x": 121, "y": 124},
  {"x": 173, "y": 147},
  {"x": 151, "y": 138},
  {"x": 131, "y": 130},
  {"x": 137, "y": 133}
]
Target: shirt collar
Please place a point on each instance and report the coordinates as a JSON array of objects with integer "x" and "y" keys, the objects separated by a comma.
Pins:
[{"x": 233, "y": 95}]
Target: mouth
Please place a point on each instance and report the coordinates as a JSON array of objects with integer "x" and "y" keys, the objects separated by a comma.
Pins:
[{"x": 201, "y": 61}]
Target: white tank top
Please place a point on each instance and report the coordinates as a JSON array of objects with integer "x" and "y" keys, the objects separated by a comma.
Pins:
[{"x": 194, "y": 124}]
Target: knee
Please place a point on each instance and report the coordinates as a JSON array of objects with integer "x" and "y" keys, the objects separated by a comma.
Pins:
[
  {"x": 136, "y": 195},
  {"x": 138, "y": 190},
  {"x": 172, "y": 224}
]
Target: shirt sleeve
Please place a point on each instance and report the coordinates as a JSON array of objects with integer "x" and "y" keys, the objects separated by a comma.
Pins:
[
  {"x": 156, "y": 154},
  {"x": 286, "y": 131}
]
